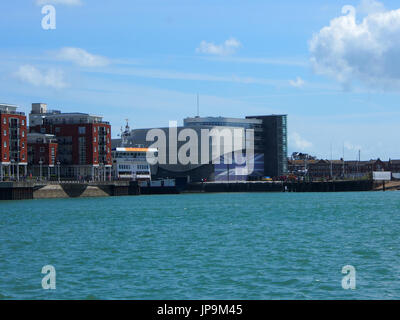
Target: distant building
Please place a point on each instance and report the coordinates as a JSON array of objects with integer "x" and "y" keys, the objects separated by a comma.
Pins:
[
  {"x": 335, "y": 168},
  {"x": 394, "y": 166},
  {"x": 13, "y": 148},
  {"x": 84, "y": 141}
]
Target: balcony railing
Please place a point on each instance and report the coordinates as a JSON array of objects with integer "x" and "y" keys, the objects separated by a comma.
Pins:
[{"x": 12, "y": 113}]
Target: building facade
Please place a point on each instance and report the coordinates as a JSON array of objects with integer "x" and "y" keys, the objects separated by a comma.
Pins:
[
  {"x": 271, "y": 141},
  {"x": 222, "y": 165},
  {"x": 42, "y": 155},
  {"x": 84, "y": 141},
  {"x": 13, "y": 148}
]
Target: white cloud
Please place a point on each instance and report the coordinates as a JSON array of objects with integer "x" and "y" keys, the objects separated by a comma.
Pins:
[
  {"x": 295, "y": 62},
  {"x": 299, "y": 143},
  {"x": 81, "y": 57},
  {"x": 298, "y": 83},
  {"x": 365, "y": 51},
  {"x": 51, "y": 78},
  {"x": 370, "y": 6},
  {"x": 65, "y": 2},
  {"x": 228, "y": 47},
  {"x": 177, "y": 75}
]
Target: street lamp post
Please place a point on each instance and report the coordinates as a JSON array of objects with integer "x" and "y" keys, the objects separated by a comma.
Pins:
[
  {"x": 12, "y": 168},
  {"x": 40, "y": 174},
  {"x": 58, "y": 167}
]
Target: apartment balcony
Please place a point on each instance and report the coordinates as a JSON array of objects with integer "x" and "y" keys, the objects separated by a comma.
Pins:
[{"x": 12, "y": 113}]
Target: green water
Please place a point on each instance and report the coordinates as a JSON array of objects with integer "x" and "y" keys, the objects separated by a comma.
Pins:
[{"x": 203, "y": 246}]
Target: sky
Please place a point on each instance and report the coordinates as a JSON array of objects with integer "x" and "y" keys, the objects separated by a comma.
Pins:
[{"x": 332, "y": 66}]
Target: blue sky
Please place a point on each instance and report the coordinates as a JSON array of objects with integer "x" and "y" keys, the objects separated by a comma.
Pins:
[{"x": 334, "y": 72}]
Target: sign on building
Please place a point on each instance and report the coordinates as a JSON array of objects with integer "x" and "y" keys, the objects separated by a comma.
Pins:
[{"x": 382, "y": 175}]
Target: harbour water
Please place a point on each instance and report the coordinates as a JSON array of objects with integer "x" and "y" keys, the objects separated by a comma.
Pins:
[{"x": 203, "y": 246}]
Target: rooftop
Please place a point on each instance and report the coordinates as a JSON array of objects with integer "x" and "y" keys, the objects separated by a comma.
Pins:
[{"x": 9, "y": 109}]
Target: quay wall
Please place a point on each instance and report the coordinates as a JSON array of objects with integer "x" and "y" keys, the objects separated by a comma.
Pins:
[
  {"x": 34, "y": 190},
  {"x": 329, "y": 186}
]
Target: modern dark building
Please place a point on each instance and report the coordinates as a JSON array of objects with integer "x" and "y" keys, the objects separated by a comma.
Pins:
[
  {"x": 272, "y": 142},
  {"x": 269, "y": 157}
]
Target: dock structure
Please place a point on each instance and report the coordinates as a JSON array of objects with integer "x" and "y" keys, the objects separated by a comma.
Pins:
[
  {"x": 259, "y": 186},
  {"x": 74, "y": 189}
]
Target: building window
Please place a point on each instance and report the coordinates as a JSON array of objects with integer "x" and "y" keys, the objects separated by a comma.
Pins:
[
  {"x": 5, "y": 144},
  {"x": 42, "y": 130},
  {"x": 95, "y": 149},
  {"x": 82, "y": 130},
  {"x": 5, "y": 121},
  {"x": 23, "y": 156},
  {"x": 95, "y": 140},
  {"x": 5, "y": 132},
  {"x": 23, "y": 145},
  {"x": 41, "y": 149},
  {"x": 94, "y": 129},
  {"x": 23, "y": 134},
  {"x": 23, "y": 122},
  {"x": 5, "y": 156}
]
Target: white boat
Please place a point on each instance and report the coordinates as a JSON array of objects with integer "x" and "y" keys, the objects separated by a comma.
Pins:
[{"x": 130, "y": 162}]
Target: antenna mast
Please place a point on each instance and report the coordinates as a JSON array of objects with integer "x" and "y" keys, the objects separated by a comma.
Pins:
[
  {"x": 125, "y": 134},
  {"x": 198, "y": 105}
]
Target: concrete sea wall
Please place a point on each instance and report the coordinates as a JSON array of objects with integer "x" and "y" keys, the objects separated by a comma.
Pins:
[{"x": 37, "y": 190}]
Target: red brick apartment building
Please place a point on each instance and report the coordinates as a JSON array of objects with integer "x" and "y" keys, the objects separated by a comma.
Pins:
[
  {"x": 42, "y": 155},
  {"x": 13, "y": 148},
  {"x": 84, "y": 141}
]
